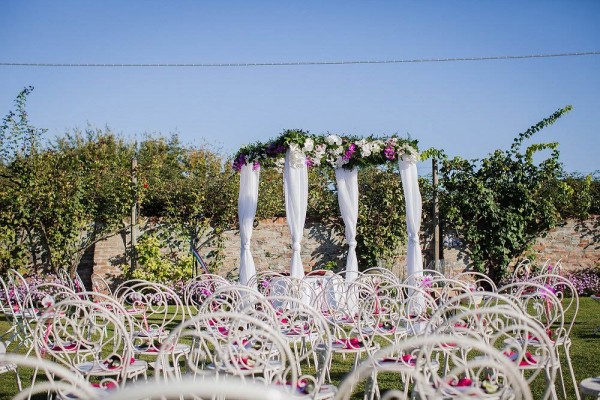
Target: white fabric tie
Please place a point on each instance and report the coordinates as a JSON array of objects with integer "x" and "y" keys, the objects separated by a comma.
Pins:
[
  {"x": 295, "y": 185},
  {"x": 247, "y": 200}
]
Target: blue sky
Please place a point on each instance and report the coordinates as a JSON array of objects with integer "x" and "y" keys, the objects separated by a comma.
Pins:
[{"x": 466, "y": 108}]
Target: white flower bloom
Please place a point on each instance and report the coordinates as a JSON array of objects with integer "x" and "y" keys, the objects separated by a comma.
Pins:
[
  {"x": 338, "y": 150},
  {"x": 297, "y": 159},
  {"x": 340, "y": 162},
  {"x": 294, "y": 148},
  {"x": 309, "y": 144},
  {"x": 334, "y": 140},
  {"x": 47, "y": 301},
  {"x": 279, "y": 164},
  {"x": 366, "y": 149},
  {"x": 376, "y": 145},
  {"x": 392, "y": 141}
]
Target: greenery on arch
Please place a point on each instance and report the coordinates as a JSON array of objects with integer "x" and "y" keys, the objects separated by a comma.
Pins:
[{"x": 333, "y": 150}]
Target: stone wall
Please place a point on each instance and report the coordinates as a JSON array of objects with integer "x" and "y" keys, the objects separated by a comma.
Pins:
[{"x": 576, "y": 243}]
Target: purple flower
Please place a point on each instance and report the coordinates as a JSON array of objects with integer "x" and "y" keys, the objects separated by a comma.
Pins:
[
  {"x": 349, "y": 152},
  {"x": 239, "y": 162},
  {"x": 426, "y": 282},
  {"x": 255, "y": 165},
  {"x": 546, "y": 290},
  {"x": 309, "y": 162},
  {"x": 274, "y": 149},
  {"x": 389, "y": 152}
]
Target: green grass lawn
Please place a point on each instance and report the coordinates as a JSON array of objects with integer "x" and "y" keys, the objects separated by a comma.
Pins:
[{"x": 585, "y": 354}]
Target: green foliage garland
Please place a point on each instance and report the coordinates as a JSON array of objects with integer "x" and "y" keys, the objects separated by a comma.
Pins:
[{"x": 334, "y": 150}]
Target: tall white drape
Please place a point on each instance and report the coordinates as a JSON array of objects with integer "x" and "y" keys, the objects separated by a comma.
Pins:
[
  {"x": 412, "y": 196},
  {"x": 347, "y": 184},
  {"x": 295, "y": 184},
  {"x": 247, "y": 201}
]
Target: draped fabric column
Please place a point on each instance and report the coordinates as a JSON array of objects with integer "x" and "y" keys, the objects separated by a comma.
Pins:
[
  {"x": 295, "y": 184},
  {"x": 412, "y": 196},
  {"x": 347, "y": 185},
  {"x": 248, "y": 197}
]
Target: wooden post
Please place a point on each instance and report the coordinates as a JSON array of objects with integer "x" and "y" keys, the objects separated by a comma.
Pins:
[
  {"x": 134, "y": 213},
  {"x": 436, "y": 213}
]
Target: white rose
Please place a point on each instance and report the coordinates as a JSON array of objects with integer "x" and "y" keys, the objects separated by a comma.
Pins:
[
  {"x": 334, "y": 140},
  {"x": 294, "y": 148},
  {"x": 309, "y": 145}
]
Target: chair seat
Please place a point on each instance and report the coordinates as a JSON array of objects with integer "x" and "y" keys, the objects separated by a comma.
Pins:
[
  {"x": 7, "y": 366},
  {"x": 137, "y": 367},
  {"x": 243, "y": 368},
  {"x": 153, "y": 351},
  {"x": 590, "y": 386}
]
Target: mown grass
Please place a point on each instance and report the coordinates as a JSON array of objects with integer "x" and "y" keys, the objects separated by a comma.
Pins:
[{"x": 585, "y": 355}]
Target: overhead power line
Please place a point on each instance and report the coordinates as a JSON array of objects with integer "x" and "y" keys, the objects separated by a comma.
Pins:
[{"x": 297, "y": 63}]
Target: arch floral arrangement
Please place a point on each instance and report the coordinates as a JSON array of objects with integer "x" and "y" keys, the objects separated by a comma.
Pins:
[
  {"x": 293, "y": 152},
  {"x": 337, "y": 151}
]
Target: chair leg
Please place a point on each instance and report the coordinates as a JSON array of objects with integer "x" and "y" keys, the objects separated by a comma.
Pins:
[
  {"x": 18, "y": 380},
  {"x": 571, "y": 371},
  {"x": 560, "y": 375}
]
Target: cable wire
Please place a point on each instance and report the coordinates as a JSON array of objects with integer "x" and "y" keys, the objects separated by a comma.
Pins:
[{"x": 298, "y": 63}]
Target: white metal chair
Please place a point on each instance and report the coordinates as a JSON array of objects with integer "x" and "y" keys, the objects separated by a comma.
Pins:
[
  {"x": 230, "y": 344},
  {"x": 62, "y": 382},
  {"x": 307, "y": 332},
  {"x": 486, "y": 373},
  {"x": 160, "y": 309},
  {"x": 91, "y": 340},
  {"x": 566, "y": 293},
  {"x": 197, "y": 289}
]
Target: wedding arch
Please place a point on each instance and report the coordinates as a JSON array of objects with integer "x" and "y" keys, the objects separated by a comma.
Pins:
[{"x": 293, "y": 152}]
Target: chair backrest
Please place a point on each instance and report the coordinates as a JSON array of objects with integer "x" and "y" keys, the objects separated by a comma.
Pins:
[
  {"x": 415, "y": 278},
  {"x": 566, "y": 293},
  {"x": 516, "y": 334},
  {"x": 306, "y": 328},
  {"x": 477, "y": 281},
  {"x": 159, "y": 308},
  {"x": 86, "y": 337},
  {"x": 101, "y": 285},
  {"x": 229, "y": 298},
  {"x": 394, "y": 313},
  {"x": 61, "y": 381},
  {"x": 541, "y": 304},
  {"x": 476, "y": 371},
  {"x": 197, "y": 289},
  {"x": 229, "y": 343}
]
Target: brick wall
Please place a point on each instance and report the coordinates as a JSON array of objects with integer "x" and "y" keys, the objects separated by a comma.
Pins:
[{"x": 577, "y": 243}]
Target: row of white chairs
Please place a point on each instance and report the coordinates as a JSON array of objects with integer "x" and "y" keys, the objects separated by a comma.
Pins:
[{"x": 371, "y": 312}]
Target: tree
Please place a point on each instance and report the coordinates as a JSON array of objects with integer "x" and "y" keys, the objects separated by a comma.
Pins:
[
  {"x": 20, "y": 144},
  {"x": 500, "y": 204}
]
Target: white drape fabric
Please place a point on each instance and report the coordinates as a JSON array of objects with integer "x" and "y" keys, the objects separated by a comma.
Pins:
[
  {"x": 247, "y": 200},
  {"x": 412, "y": 196},
  {"x": 347, "y": 185},
  {"x": 295, "y": 184}
]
